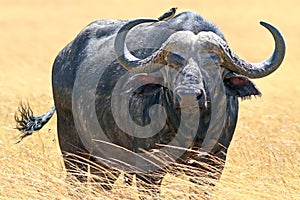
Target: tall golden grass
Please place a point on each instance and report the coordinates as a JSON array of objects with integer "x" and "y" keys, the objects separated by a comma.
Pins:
[{"x": 264, "y": 156}]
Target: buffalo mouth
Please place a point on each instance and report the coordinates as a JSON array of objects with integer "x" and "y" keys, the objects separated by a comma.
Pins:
[{"x": 187, "y": 98}]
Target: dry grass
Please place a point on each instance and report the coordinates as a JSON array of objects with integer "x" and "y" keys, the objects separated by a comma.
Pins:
[{"x": 264, "y": 157}]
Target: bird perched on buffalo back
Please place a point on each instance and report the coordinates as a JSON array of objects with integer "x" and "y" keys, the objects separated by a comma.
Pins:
[{"x": 168, "y": 15}]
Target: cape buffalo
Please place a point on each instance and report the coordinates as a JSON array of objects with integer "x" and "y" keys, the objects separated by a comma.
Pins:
[{"x": 143, "y": 94}]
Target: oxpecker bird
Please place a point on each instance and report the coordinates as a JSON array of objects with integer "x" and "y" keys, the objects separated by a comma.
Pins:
[{"x": 168, "y": 15}]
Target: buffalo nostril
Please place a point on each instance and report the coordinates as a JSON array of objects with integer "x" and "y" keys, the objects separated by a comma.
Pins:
[
  {"x": 202, "y": 101},
  {"x": 198, "y": 97}
]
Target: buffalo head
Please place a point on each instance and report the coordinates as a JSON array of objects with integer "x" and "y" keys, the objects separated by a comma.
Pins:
[{"x": 191, "y": 55}]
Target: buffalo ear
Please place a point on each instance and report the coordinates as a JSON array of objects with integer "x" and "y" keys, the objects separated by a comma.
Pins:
[
  {"x": 144, "y": 85},
  {"x": 240, "y": 86}
]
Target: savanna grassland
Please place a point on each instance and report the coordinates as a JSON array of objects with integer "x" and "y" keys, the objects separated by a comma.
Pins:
[{"x": 264, "y": 157}]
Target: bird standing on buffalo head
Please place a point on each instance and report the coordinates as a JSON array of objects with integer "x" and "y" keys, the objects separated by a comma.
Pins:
[{"x": 168, "y": 15}]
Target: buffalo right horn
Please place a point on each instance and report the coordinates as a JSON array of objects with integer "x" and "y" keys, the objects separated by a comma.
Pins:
[{"x": 135, "y": 65}]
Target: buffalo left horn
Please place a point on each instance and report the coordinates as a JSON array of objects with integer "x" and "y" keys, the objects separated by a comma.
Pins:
[{"x": 230, "y": 60}]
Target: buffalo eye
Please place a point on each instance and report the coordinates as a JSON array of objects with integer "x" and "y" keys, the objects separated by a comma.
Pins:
[{"x": 176, "y": 61}]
